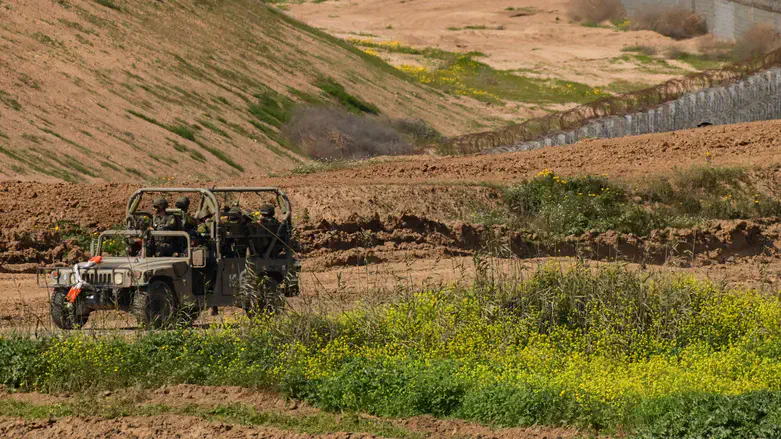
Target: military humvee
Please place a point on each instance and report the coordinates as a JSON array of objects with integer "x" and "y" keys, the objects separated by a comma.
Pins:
[{"x": 235, "y": 257}]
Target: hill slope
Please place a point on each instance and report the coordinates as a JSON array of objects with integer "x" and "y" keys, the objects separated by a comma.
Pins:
[{"x": 117, "y": 90}]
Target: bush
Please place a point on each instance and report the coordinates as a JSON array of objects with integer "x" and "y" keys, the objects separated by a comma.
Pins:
[
  {"x": 595, "y": 11},
  {"x": 573, "y": 206},
  {"x": 676, "y": 23},
  {"x": 331, "y": 133},
  {"x": 760, "y": 40}
]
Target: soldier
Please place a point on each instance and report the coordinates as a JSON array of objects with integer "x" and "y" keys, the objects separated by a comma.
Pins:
[
  {"x": 188, "y": 222},
  {"x": 270, "y": 225},
  {"x": 164, "y": 221}
]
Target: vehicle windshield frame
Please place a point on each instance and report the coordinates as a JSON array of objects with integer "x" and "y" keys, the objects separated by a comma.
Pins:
[{"x": 144, "y": 235}]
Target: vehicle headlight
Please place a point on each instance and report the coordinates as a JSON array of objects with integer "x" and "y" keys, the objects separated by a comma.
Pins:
[{"x": 119, "y": 278}]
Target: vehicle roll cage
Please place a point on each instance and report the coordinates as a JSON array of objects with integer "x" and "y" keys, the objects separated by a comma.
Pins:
[{"x": 209, "y": 205}]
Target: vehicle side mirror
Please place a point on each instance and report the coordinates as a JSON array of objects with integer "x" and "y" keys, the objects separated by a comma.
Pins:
[{"x": 198, "y": 258}]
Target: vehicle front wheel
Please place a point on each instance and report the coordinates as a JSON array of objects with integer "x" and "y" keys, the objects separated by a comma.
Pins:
[
  {"x": 155, "y": 306},
  {"x": 66, "y": 315}
]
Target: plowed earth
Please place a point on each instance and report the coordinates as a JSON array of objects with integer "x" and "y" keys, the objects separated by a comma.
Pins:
[{"x": 190, "y": 397}]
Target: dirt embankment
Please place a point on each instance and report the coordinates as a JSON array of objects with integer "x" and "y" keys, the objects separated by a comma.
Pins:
[
  {"x": 362, "y": 241},
  {"x": 750, "y": 145}
]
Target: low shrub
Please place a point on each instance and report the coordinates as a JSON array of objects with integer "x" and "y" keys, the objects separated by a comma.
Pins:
[
  {"x": 562, "y": 206},
  {"x": 760, "y": 40},
  {"x": 595, "y": 11},
  {"x": 573, "y": 206},
  {"x": 326, "y": 133},
  {"x": 676, "y": 23}
]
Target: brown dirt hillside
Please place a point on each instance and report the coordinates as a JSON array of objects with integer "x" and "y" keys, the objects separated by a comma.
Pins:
[{"x": 118, "y": 90}]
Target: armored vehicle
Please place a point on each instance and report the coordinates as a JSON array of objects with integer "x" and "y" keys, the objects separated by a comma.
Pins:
[{"x": 237, "y": 250}]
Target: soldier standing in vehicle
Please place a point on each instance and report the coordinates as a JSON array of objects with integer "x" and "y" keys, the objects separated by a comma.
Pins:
[
  {"x": 188, "y": 222},
  {"x": 164, "y": 221},
  {"x": 270, "y": 223}
]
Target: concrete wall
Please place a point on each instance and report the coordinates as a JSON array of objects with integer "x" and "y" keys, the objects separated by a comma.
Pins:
[
  {"x": 727, "y": 19},
  {"x": 756, "y": 98}
]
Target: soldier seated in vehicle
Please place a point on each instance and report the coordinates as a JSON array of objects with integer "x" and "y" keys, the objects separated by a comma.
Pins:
[{"x": 164, "y": 221}]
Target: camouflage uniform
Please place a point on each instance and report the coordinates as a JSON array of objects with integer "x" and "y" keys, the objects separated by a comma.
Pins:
[
  {"x": 188, "y": 222},
  {"x": 271, "y": 226},
  {"x": 164, "y": 221}
]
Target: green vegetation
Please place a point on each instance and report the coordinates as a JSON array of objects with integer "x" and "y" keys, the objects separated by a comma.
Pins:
[
  {"x": 66, "y": 140},
  {"x": 573, "y": 206},
  {"x": 70, "y": 230},
  {"x": 45, "y": 39},
  {"x": 352, "y": 103},
  {"x": 211, "y": 126},
  {"x": 109, "y": 4},
  {"x": 32, "y": 138},
  {"x": 271, "y": 108},
  {"x": 608, "y": 349},
  {"x": 480, "y": 27},
  {"x": 643, "y": 50},
  {"x": 621, "y": 86},
  {"x": 186, "y": 132},
  {"x": 221, "y": 155},
  {"x": 12, "y": 103},
  {"x": 111, "y": 166},
  {"x": 136, "y": 172},
  {"x": 462, "y": 75},
  {"x": 28, "y": 81},
  {"x": 701, "y": 62},
  {"x": 182, "y": 131}
]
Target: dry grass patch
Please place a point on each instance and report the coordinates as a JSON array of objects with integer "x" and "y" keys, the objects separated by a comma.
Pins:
[
  {"x": 676, "y": 23},
  {"x": 332, "y": 133},
  {"x": 758, "y": 41},
  {"x": 595, "y": 11}
]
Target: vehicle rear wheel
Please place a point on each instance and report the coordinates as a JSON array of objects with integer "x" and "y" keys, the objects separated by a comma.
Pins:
[
  {"x": 65, "y": 314},
  {"x": 261, "y": 295},
  {"x": 155, "y": 306}
]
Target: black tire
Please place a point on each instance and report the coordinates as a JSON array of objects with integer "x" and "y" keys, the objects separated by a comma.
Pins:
[
  {"x": 268, "y": 298},
  {"x": 64, "y": 313},
  {"x": 155, "y": 306}
]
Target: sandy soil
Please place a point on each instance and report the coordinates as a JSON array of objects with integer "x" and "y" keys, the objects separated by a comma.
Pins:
[
  {"x": 70, "y": 72},
  {"x": 536, "y": 36}
]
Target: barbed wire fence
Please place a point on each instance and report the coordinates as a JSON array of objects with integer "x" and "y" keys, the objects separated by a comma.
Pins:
[{"x": 620, "y": 105}]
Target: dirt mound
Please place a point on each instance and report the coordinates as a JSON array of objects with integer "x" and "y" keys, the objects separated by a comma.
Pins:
[{"x": 361, "y": 241}]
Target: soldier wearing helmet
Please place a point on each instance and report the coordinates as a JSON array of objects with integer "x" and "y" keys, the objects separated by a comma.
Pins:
[
  {"x": 164, "y": 221},
  {"x": 270, "y": 225},
  {"x": 188, "y": 222}
]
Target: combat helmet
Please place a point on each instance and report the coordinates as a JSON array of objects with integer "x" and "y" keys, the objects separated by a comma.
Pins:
[
  {"x": 267, "y": 210},
  {"x": 182, "y": 203},
  {"x": 160, "y": 203}
]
